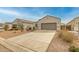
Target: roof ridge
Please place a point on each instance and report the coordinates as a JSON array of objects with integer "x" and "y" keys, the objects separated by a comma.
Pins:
[
  {"x": 50, "y": 16},
  {"x": 73, "y": 19},
  {"x": 23, "y": 19}
]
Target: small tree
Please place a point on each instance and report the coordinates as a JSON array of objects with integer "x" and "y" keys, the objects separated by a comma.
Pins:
[
  {"x": 21, "y": 27},
  {"x": 6, "y": 27},
  {"x": 33, "y": 28}
]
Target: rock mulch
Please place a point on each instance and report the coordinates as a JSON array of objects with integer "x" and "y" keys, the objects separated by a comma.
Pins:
[{"x": 58, "y": 45}]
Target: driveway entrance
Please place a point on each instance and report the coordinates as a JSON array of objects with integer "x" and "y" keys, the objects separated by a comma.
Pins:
[{"x": 35, "y": 41}]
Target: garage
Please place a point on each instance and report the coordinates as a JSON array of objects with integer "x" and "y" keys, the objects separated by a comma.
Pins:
[
  {"x": 49, "y": 23},
  {"x": 48, "y": 26}
]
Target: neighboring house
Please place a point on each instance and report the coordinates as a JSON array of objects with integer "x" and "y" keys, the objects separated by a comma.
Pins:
[
  {"x": 74, "y": 24},
  {"x": 25, "y": 23},
  {"x": 49, "y": 23}
]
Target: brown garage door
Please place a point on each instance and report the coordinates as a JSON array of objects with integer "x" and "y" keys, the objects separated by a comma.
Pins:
[{"x": 48, "y": 26}]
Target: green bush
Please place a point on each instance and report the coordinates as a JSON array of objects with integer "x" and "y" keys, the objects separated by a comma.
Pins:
[{"x": 73, "y": 49}]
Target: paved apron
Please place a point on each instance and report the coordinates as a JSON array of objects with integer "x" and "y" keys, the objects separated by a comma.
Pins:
[{"x": 34, "y": 41}]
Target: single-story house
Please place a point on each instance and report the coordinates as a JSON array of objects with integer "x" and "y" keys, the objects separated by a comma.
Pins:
[
  {"x": 74, "y": 24},
  {"x": 49, "y": 23},
  {"x": 45, "y": 23},
  {"x": 25, "y": 23}
]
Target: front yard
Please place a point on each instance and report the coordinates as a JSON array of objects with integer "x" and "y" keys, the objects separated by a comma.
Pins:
[
  {"x": 64, "y": 41},
  {"x": 9, "y": 34},
  {"x": 58, "y": 45}
]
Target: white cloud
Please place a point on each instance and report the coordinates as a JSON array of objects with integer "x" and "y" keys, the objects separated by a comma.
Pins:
[{"x": 9, "y": 12}]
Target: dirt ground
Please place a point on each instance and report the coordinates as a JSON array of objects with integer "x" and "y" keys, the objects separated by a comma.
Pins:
[
  {"x": 58, "y": 45},
  {"x": 9, "y": 34}
]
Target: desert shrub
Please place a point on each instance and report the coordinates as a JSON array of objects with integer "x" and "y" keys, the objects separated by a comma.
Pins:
[
  {"x": 67, "y": 36},
  {"x": 73, "y": 49},
  {"x": 21, "y": 27},
  {"x": 33, "y": 28},
  {"x": 6, "y": 27},
  {"x": 14, "y": 27}
]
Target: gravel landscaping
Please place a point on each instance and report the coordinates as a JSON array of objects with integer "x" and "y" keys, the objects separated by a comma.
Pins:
[{"x": 58, "y": 45}]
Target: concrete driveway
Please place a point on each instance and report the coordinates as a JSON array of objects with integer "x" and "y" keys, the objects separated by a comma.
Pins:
[{"x": 35, "y": 41}]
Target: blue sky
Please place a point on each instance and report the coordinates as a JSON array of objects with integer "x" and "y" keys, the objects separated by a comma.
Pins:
[{"x": 8, "y": 14}]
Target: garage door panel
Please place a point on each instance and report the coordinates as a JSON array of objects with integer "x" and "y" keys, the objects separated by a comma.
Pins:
[{"x": 48, "y": 26}]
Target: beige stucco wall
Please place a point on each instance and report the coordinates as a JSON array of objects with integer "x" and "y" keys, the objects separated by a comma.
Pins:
[
  {"x": 74, "y": 24},
  {"x": 28, "y": 25},
  {"x": 10, "y": 26},
  {"x": 25, "y": 24},
  {"x": 49, "y": 20}
]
